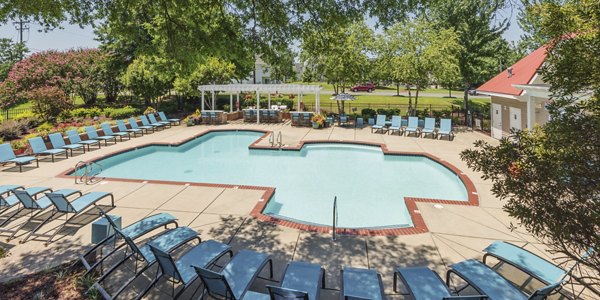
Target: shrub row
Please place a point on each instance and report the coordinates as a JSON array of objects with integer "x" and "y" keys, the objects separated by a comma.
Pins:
[{"x": 96, "y": 112}]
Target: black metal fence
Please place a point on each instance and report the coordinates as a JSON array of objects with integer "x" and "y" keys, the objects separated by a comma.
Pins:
[
  {"x": 476, "y": 119},
  {"x": 7, "y": 114}
]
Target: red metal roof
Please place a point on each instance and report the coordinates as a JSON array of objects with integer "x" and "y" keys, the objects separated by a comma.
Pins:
[{"x": 523, "y": 72}]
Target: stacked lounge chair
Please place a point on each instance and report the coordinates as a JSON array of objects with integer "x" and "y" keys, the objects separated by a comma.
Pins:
[
  {"x": 134, "y": 125},
  {"x": 107, "y": 130},
  {"x": 155, "y": 126},
  {"x": 164, "y": 118},
  {"x": 93, "y": 134},
  {"x": 123, "y": 128},
  {"x": 38, "y": 146},
  {"x": 153, "y": 120},
  {"x": 413, "y": 126},
  {"x": 7, "y": 156},
  {"x": 74, "y": 138},
  {"x": 58, "y": 142},
  {"x": 379, "y": 125}
]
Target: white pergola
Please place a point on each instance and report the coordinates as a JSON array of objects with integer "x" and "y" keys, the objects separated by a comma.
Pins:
[{"x": 299, "y": 89}]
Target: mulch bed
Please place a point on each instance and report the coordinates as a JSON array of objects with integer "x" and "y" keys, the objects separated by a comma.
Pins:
[{"x": 62, "y": 282}]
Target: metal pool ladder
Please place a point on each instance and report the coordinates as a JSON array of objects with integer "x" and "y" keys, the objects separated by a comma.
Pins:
[
  {"x": 335, "y": 217},
  {"x": 88, "y": 169},
  {"x": 276, "y": 141}
]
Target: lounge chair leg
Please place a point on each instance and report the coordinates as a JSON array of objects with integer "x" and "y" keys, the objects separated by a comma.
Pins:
[
  {"x": 11, "y": 216},
  {"x": 38, "y": 227},
  {"x": 59, "y": 229}
]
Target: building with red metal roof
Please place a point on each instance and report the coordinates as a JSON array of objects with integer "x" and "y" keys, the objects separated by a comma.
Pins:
[{"x": 518, "y": 95}]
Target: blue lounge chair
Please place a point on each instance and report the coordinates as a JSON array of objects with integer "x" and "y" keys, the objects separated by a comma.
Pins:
[
  {"x": 525, "y": 261},
  {"x": 359, "y": 123},
  {"x": 182, "y": 271},
  {"x": 424, "y": 284},
  {"x": 6, "y": 189},
  {"x": 486, "y": 281},
  {"x": 123, "y": 128},
  {"x": 133, "y": 231},
  {"x": 106, "y": 128},
  {"x": 35, "y": 207},
  {"x": 58, "y": 142},
  {"x": 361, "y": 284},
  {"x": 38, "y": 146},
  {"x": 7, "y": 200},
  {"x": 134, "y": 125},
  {"x": 301, "y": 280},
  {"x": 166, "y": 241},
  {"x": 163, "y": 117},
  {"x": 74, "y": 138},
  {"x": 7, "y": 156},
  {"x": 396, "y": 125},
  {"x": 413, "y": 126},
  {"x": 153, "y": 120},
  {"x": 75, "y": 207},
  {"x": 236, "y": 277},
  {"x": 446, "y": 129},
  {"x": 343, "y": 120},
  {"x": 379, "y": 125},
  {"x": 93, "y": 134},
  {"x": 429, "y": 128},
  {"x": 155, "y": 126},
  {"x": 295, "y": 118}
]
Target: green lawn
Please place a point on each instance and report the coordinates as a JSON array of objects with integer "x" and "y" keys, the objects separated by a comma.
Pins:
[
  {"x": 392, "y": 88},
  {"x": 386, "y": 99}
]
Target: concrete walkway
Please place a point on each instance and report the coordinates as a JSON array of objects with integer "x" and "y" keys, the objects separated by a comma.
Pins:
[{"x": 455, "y": 232}]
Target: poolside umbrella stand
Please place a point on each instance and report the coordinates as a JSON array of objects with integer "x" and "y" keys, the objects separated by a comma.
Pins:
[{"x": 341, "y": 98}]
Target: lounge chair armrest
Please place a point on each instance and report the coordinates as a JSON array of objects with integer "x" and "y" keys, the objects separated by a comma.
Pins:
[{"x": 469, "y": 297}]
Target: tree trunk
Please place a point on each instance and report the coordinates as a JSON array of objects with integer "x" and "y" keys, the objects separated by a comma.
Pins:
[
  {"x": 339, "y": 112},
  {"x": 449, "y": 92},
  {"x": 466, "y": 103},
  {"x": 397, "y": 89},
  {"x": 417, "y": 98},
  {"x": 409, "y": 102}
]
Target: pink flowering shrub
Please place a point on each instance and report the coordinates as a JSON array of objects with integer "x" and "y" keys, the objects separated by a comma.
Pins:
[{"x": 76, "y": 72}]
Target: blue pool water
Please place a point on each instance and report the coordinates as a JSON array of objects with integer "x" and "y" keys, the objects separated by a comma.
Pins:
[{"x": 369, "y": 185}]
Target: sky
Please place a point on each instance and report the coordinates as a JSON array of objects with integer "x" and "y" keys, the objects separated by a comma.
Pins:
[{"x": 73, "y": 36}]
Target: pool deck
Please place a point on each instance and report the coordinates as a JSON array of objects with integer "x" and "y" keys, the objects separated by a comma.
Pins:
[{"x": 455, "y": 232}]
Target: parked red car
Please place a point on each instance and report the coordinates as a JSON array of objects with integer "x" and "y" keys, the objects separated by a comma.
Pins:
[{"x": 367, "y": 87}]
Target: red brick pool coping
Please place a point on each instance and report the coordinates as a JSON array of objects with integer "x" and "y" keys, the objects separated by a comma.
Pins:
[{"x": 411, "y": 202}]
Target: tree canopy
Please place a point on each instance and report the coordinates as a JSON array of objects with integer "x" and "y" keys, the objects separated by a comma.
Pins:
[
  {"x": 549, "y": 176},
  {"x": 417, "y": 54}
]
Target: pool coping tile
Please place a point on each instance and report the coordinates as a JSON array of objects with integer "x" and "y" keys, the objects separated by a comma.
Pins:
[{"x": 418, "y": 221}]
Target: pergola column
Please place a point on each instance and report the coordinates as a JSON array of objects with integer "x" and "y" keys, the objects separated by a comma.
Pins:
[
  {"x": 237, "y": 103},
  {"x": 202, "y": 102},
  {"x": 317, "y": 102},
  {"x": 213, "y": 101},
  {"x": 257, "y": 107},
  {"x": 269, "y": 101}
]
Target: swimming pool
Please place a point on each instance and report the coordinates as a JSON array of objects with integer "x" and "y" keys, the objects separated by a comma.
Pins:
[{"x": 370, "y": 186}]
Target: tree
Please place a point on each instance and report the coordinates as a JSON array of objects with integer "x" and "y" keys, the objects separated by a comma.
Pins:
[
  {"x": 530, "y": 22},
  {"x": 148, "y": 77},
  {"x": 213, "y": 71},
  {"x": 48, "y": 13},
  {"x": 340, "y": 54},
  {"x": 479, "y": 30},
  {"x": 10, "y": 53},
  {"x": 549, "y": 176},
  {"x": 420, "y": 54}
]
